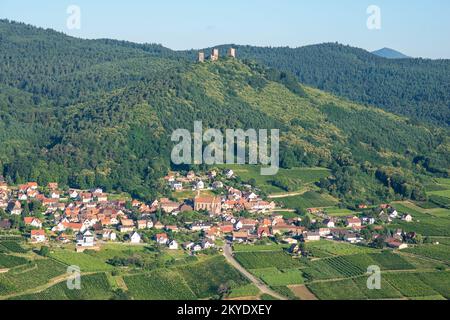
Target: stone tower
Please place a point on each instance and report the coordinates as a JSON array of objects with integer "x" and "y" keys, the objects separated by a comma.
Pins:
[
  {"x": 201, "y": 56},
  {"x": 232, "y": 53},
  {"x": 215, "y": 55}
]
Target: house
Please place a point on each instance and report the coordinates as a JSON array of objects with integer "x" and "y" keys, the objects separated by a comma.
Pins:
[
  {"x": 33, "y": 222},
  {"x": 169, "y": 206},
  {"x": 173, "y": 245},
  {"x": 368, "y": 220},
  {"x": 15, "y": 208},
  {"x": 162, "y": 238},
  {"x": 86, "y": 197},
  {"x": 207, "y": 244},
  {"x": 141, "y": 224},
  {"x": 135, "y": 238},
  {"x": 329, "y": 223},
  {"x": 350, "y": 237},
  {"x": 217, "y": 185},
  {"x": 86, "y": 239},
  {"x": 158, "y": 225},
  {"x": 353, "y": 222},
  {"x": 177, "y": 186},
  {"x": 54, "y": 195},
  {"x": 324, "y": 232},
  {"x": 73, "y": 194},
  {"x": 188, "y": 245},
  {"x": 395, "y": 244},
  {"x": 229, "y": 173},
  {"x": 171, "y": 228},
  {"x": 126, "y": 225},
  {"x": 52, "y": 185},
  {"x": 312, "y": 236},
  {"x": 101, "y": 197},
  {"x": 109, "y": 235},
  {"x": 407, "y": 218},
  {"x": 200, "y": 226},
  {"x": 38, "y": 236},
  {"x": 3, "y": 186},
  {"x": 394, "y": 214},
  {"x": 263, "y": 232},
  {"x": 212, "y": 205},
  {"x": 200, "y": 185},
  {"x": 240, "y": 236}
]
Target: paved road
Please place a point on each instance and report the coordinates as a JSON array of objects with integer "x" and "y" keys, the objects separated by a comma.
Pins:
[{"x": 228, "y": 253}]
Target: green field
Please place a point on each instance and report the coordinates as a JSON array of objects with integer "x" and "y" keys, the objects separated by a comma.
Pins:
[
  {"x": 92, "y": 287},
  {"x": 260, "y": 260},
  {"x": 353, "y": 289},
  {"x": 248, "y": 290},
  {"x": 338, "y": 248},
  {"x": 274, "y": 277},
  {"x": 439, "y": 252},
  {"x": 8, "y": 261},
  {"x": 158, "y": 285},
  {"x": 86, "y": 262},
  {"x": 310, "y": 199},
  {"x": 253, "y": 248},
  {"x": 299, "y": 176},
  {"x": 204, "y": 278},
  {"x": 31, "y": 276},
  {"x": 12, "y": 246},
  {"x": 410, "y": 284}
]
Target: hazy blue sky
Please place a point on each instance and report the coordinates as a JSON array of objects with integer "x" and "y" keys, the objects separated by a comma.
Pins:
[{"x": 419, "y": 28}]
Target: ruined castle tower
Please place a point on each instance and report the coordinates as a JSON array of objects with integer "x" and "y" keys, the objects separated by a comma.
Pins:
[
  {"x": 232, "y": 53},
  {"x": 201, "y": 56},
  {"x": 215, "y": 55}
]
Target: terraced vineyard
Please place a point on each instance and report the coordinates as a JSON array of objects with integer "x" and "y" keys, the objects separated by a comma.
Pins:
[{"x": 93, "y": 287}]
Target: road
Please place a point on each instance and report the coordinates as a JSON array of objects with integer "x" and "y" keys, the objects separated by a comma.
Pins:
[{"x": 228, "y": 253}]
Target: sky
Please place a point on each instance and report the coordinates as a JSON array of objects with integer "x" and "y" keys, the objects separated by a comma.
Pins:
[{"x": 418, "y": 28}]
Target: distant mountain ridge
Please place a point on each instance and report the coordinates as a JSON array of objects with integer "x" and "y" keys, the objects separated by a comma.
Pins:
[{"x": 390, "y": 54}]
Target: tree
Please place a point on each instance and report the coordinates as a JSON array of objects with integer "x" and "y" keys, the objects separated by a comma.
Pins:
[{"x": 44, "y": 251}]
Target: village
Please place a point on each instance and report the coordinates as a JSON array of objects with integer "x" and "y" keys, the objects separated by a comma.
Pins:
[{"x": 218, "y": 213}]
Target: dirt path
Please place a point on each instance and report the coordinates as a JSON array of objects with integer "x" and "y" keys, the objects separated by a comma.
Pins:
[
  {"x": 228, "y": 253},
  {"x": 288, "y": 194}
]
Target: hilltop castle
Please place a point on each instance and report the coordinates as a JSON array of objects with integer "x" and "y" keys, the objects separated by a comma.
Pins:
[{"x": 215, "y": 54}]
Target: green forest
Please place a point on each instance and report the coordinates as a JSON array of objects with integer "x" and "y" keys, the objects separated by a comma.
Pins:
[{"x": 91, "y": 113}]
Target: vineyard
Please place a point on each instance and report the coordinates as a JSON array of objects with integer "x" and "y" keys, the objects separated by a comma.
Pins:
[
  {"x": 259, "y": 260},
  {"x": 12, "y": 246},
  {"x": 8, "y": 261},
  {"x": 158, "y": 285},
  {"x": 93, "y": 287}
]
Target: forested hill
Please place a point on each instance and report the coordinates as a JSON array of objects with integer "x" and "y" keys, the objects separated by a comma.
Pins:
[
  {"x": 417, "y": 88},
  {"x": 100, "y": 113}
]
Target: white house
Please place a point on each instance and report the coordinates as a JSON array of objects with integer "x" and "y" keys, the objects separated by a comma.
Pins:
[
  {"x": 200, "y": 185},
  {"x": 86, "y": 239},
  {"x": 173, "y": 245},
  {"x": 109, "y": 235},
  {"x": 407, "y": 218},
  {"x": 135, "y": 238},
  {"x": 38, "y": 236},
  {"x": 73, "y": 194},
  {"x": 394, "y": 214},
  {"x": 229, "y": 173}
]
